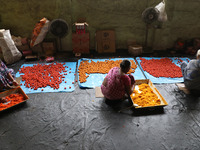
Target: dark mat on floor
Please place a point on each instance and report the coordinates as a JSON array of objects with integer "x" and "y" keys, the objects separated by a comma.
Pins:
[{"x": 80, "y": 121}]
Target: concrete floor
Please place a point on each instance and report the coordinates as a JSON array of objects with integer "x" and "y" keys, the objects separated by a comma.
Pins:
[{"x": 80, "y": 121}]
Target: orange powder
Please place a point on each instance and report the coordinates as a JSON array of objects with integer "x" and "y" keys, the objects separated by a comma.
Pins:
[{"x": 146, "y": 97}]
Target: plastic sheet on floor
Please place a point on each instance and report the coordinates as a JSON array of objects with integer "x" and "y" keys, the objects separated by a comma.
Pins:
[
  {"x": 96, "y": 79},
  {"x": 80, "y": 121},
  {"x": 163, "y": 79},
  {"x": 63, "y": 87}
]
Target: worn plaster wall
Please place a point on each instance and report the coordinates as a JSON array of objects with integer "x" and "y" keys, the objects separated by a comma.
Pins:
[{"x": 123, "y": 16}]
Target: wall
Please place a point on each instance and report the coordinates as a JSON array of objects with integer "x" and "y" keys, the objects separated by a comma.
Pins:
[{"x": 124, "y": 16}]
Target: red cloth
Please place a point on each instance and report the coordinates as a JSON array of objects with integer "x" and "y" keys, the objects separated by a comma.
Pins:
[
  {"x": 49, "y": 59},
  {"x": 27, "y": 53}
]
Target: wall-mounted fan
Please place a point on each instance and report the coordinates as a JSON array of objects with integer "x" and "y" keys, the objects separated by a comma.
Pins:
[
  {"x": 149, "y": 16},
  {"x": 60, "y": 29}
]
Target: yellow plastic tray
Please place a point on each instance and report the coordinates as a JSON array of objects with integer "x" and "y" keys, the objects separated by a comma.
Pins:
[{"x": 163, "y": 101}]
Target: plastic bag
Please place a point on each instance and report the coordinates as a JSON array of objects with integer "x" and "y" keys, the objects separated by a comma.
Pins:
[
  {"x": 162, "y": 17},
  {"x": 10, "y": 52},
  {"x": 39, "y": 32}
]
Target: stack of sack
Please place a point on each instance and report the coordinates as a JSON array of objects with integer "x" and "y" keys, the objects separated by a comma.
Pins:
[{"x": 12, "y": 48}]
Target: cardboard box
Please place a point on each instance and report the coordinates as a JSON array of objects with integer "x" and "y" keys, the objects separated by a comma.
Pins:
[
  {"x": 13, "y": 91},
  {"x": 105, "y": 41},
  {"x": 147, "y": 81},
  {"x": 37, "y": 49},
  {"x": 23, "y": 47},
  {"x": 135, "y": 50},
  {"x": 80, "y": 43},
  {"x": 49, "y": 48}
]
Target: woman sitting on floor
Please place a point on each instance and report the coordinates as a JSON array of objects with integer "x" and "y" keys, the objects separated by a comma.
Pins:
[
  {"x": 117, "y": 84},
  {"x": 191, "y": 74},
  {"x": 7, "y": 77}
]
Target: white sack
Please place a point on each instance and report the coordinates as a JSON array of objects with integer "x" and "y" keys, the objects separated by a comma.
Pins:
[
  {"x": 162, "y": 17},
  {"x": 10, "y": 52}
]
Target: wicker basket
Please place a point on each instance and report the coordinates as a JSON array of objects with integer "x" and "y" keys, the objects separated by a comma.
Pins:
[{"x": 135, "y": 50}]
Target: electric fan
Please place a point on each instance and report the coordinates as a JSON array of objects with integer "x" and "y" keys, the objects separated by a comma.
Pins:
[
  {"x": 59, "y": 28},
  {"x": 149, "y": 16}
]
